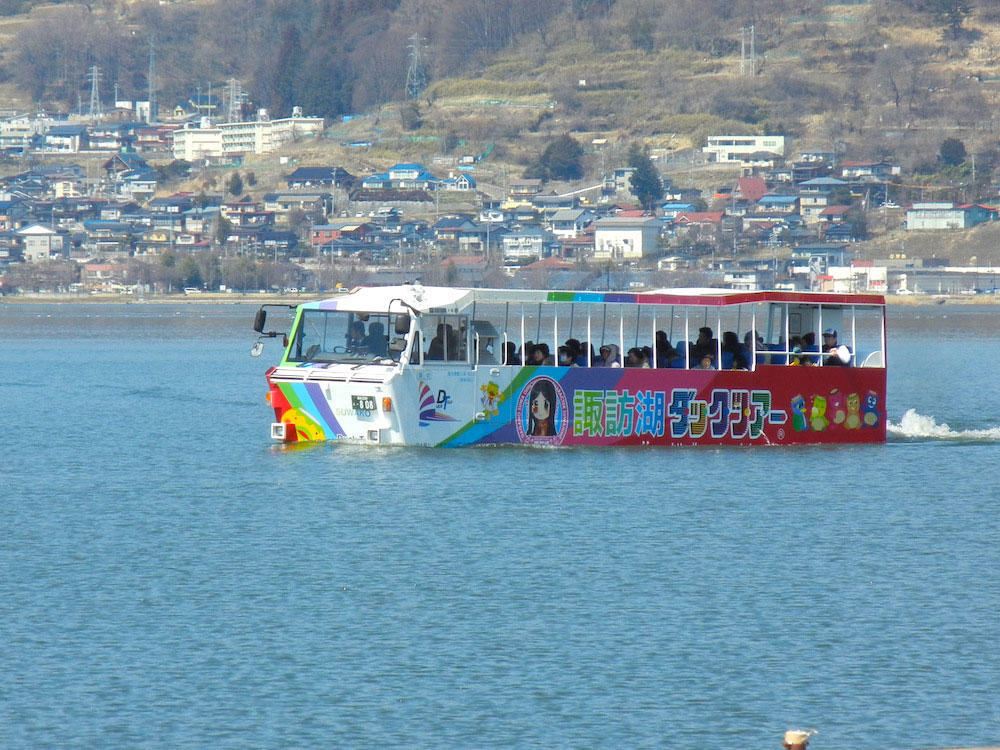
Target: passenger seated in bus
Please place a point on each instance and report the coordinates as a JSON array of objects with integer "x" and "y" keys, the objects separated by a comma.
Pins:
[
  {"x": 575, "y": 351},
  {"x": 705, "y": 344},
  {"x": 834, "y": 352},
  {"x": 809, "y": 345},
  {"x": 734, "y": 356},
  {"x": 510, "y": 354},
  {"x": 375, "y": 341},
  {"x": 540, "y": 356},
  {"x": 609, "y": 356},
  {"x": 636, "y": 358},
  {"x": 356, "y": 336},
  {"x": 665, "y": 353},
  {"x": 587, "y": 349},
  {"x": 565, "y": 357},
  {"x": 798, "y": 359},
  {"x": 707, "y": 362}
]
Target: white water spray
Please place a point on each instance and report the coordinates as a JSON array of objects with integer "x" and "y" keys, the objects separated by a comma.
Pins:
[{"x": 913, "y": 426}]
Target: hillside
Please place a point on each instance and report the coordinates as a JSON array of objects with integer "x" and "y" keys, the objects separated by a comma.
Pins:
[
  {"x": 880, "y": 79},
  {"x": 877, "y": 78}
]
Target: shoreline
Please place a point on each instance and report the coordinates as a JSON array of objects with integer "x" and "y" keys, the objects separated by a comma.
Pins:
[{"x": 236, "y": 298}]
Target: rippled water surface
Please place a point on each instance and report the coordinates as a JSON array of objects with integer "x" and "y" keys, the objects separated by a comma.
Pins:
[{"x": 171, "y": 579}]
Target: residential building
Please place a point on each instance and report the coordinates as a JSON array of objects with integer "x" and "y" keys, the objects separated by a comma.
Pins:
[
  {"x": 948, "y": 216},
  {"x": 626, "y": 238},
  {"x": 740, "y": 148},
  {"x": 261, "y": 136},
  {"x": 313, "y": 177},
  {"x": 40, "y": 242}
]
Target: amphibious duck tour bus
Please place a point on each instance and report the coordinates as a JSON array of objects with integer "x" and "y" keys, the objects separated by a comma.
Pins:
[{"x": 436, "y": 366}]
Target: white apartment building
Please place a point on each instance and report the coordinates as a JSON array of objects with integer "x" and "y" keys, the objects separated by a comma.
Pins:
[
  {"x": 622, "y": 238},
  {"x": 739, "y": 148},
  {"x": 261, "y": 136}
]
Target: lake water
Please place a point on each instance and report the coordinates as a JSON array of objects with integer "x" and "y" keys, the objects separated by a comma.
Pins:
[{"x": 172, "y": 579}]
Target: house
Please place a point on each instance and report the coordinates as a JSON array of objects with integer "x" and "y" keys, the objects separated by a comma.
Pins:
[
  {"x": 948, "y": 216},
  {"x": 67, "y": 138},
  {"x": 619, "y": 181},
  {"x": 120, "y": 164},
  {"x": 521, "y": 190},
  {"x": 803, "y": 171},
  {"x": 104, "y": 277},
  {"x": 778, "y": 204},
  {"x": 108, "y": 238},
  {"x": 313, "y": 177},
  {"x": 815, "y": 195},
  {"x": 743, "y": 148},
  {"x": 528, "y": 243},
  {"x": 696, "y": 226},
  {"x": 625, "y": 238},
  {"x": 578, "y": 247},
  {"x": 137, "y": 186},
  {"x": 402, "y": 177},
  {"x": 39, "y": 242},
  {"x": 461, "y": 181},
  {"x": 323, "y": 234},
  {"x": 673, "y": 209},
  {"x": 570, "y": 222},
  {"x": 750, "y": 189},
  {"x": 315, "y": 205},
  {"x": 868, "y": 171},
  {"x": 699, "y": 218}
]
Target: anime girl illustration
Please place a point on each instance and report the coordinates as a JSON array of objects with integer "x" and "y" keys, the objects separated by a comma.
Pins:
[
  {"x": 542, "y": 409},
  {"x": 542, "y": 412}
]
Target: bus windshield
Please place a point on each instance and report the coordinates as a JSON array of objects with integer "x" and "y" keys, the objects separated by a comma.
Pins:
[{"x": 331, "y": 336}]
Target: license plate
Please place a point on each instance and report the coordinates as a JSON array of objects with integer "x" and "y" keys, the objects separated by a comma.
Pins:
[{"x": 363, "y": 403}]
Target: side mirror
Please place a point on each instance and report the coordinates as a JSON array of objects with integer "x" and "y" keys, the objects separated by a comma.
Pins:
[
  {"x": 259, "y": 319},
  {"x": 402, "y": 324}
]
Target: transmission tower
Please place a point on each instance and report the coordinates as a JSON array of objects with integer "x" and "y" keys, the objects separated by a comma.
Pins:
[
  {"x": 416, "y": 74},
  {"x": 748, "y": 67},
  {"x": 236, "y": 97},
  {"x": 95, "y": 97},
  {"x": 151, "y": 80}
]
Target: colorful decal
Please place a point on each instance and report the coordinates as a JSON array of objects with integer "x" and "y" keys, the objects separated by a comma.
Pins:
[
  {"x": 428, "y": 405},
  {"x": 542, "y": 412},
  {"x": 853, "y": 420},
  {"x": 817, "y": 415},
  {"x": 870, "y": 410},
  {"x": 837, "y": 408},
  {"x": 799, "y": 414},
  {"x": 490, "y": 400}
]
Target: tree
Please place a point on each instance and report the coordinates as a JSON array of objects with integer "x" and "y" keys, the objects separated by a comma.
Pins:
[
  {"x": 559, "y": 161},
  {"x": 952, "y": 152},
  {"x": 645, "y": 180},
  {"x": 951, "y": 13},
  {"x": 235, "y": 185}
]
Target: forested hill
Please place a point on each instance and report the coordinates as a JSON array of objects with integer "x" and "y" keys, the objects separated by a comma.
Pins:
[{"x": 645, "y": 67}]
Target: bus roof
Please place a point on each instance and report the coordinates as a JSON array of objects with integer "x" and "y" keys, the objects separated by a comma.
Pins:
[{"x": 432, "y": 298}]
